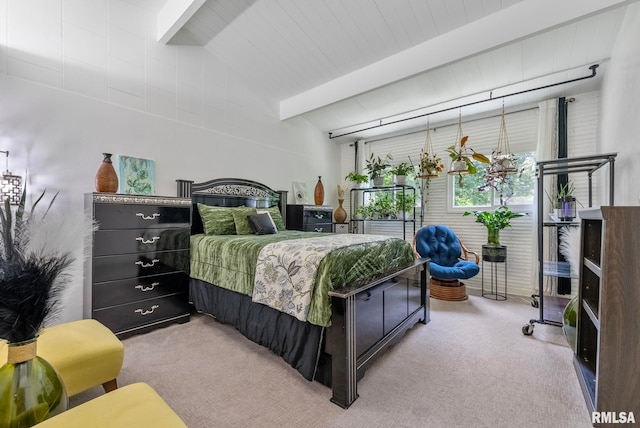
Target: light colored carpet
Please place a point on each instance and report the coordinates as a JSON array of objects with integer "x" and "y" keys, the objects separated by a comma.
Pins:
[{"x": 471, "y": 366}]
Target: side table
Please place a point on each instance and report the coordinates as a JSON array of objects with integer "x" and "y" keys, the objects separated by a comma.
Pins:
[{"x": 494, "y": 254}]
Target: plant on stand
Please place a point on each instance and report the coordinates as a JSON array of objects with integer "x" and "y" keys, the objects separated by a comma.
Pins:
[
  {"x": 377, "y": 166},
  {"x": 405, "y": 204},
  {"x": 494, "y": 222},
  {"x": 357, "y": 179},
  {"x": 401, "y": 171}
]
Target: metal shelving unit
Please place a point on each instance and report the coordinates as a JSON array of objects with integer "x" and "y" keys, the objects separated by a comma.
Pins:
[
  {"x": 589, "y": 165},
  {"x": 357, "y": 197}
]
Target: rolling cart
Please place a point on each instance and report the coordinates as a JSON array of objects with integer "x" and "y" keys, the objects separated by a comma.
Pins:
[{"x": 588, "y": 164}]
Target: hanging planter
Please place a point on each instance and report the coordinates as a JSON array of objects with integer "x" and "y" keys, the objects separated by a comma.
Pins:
[
  {"x": 503, "y": 162},
  {"x": 461, "y": 161},
  {"x": 430, "y": 163}
]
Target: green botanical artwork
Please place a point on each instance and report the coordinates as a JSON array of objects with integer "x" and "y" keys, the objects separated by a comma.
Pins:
[{"x": 137, "y": 176}]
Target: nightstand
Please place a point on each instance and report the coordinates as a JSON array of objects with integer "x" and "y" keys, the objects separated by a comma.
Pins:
[
  {"x": 310, "y": 218},
  {"x": 340, "y": 227}
]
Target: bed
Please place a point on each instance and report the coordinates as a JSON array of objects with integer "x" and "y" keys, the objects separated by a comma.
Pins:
[{"x": 354, "y": 313}]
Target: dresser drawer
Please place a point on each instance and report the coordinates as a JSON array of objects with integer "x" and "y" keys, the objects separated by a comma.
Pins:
[
  {"x": 144, "y": 312},
  {"x": 111, "y": 268},
  {"x": 108, "y": 242},
  {"x": 114, "y": 293},
  {"x": 319, "y": 227},
  {"x": 133, "y": 216}
]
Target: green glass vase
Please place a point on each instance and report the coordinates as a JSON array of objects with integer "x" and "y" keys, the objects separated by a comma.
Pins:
[
  {"x": 493, "y": 236},
  {"x": 30, "y": 388}
]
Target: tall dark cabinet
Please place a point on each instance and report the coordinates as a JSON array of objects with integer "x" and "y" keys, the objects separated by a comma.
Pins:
[
  {"x": 607, "y": 359},
  {"x": 137, "y": 276}
]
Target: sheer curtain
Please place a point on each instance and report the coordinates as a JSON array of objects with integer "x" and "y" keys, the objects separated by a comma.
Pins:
[{"x": 547, "y": 149}]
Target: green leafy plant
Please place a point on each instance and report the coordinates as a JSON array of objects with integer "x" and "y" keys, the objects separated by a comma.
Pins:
[
  {"x": 430, "y": 165},
  {"x": 376, "y": 166},
  {"x": 461, "y": 153},
  {"x": 402, "y": 168},
  {"x": 383, "y": 205},
  {"x": 405, "y": 202},
  {"x": 358, "y": 178},
  {"x": 494, "y": 221}
]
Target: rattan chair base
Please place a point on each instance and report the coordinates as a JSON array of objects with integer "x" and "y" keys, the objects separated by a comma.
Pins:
[{"x": 451, "y": 291}]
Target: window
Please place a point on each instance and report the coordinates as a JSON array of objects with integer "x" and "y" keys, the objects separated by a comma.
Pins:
[{"x": 473, "y": 190}]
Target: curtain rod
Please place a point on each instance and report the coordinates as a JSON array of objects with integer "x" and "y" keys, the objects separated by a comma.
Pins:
[
  {"x": 420, "y": 131},
  {"x": 491, "y": 98}
]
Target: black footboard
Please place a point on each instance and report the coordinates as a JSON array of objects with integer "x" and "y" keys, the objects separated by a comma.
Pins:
[
  {"x": 368, "y": 319},
  {"x": 365, "y": 321}
]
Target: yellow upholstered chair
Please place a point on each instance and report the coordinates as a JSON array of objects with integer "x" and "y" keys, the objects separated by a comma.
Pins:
[
  {"x": 85, "y": 353},
  {"x": 136, "y": 405}
]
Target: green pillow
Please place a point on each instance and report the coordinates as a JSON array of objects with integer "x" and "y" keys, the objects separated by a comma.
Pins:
[
  {"x": 217, "y": 220},
  {"x": 275, "y": 215},
  {"x": 240, "y": 215}
]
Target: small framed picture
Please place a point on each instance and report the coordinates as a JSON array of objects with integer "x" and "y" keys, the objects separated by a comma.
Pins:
[{"x": 137, "y": 176}]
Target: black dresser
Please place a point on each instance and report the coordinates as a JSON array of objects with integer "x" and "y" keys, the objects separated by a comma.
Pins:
[
  {"x": 310, "y": 218},
  {"x": 137, "y": 276}
]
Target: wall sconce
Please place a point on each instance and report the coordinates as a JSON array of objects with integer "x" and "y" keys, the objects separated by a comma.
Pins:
[{"x": 11, "y": 185}]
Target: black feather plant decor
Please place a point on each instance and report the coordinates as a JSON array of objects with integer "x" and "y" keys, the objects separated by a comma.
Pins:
[
  {"x": 33, "y": 274},
  {"x": 31, "y": 279}
]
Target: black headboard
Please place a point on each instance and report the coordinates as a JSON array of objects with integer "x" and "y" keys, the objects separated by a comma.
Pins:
[{"x": 230, "y": 192}]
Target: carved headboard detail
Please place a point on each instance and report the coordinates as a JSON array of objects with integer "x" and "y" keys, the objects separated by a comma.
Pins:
[{"x": 230, "y": 192}]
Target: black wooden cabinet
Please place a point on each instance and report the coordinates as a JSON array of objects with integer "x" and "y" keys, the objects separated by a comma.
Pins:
[
  {"x": 137, "y": 276},
  {"x": 310, "y": 218},
  {"x": 608, "y": 342}
]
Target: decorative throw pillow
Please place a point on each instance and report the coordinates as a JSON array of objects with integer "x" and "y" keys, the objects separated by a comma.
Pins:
[
  {"x": 275, "y": 216},
  {"x": 262, "y": 224},
  {"x": 240, "y": 215},
  {"x": 262, "y": 211},
  {"x": 217, "y": 220}
]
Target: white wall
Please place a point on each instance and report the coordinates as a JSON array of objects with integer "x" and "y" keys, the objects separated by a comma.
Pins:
[
  {"x": 79, "y": 78},
  {"x": 620, "y": 124}
]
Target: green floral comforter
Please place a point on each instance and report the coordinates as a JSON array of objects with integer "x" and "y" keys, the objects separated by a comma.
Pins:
[{"x": 229, "y": 261}]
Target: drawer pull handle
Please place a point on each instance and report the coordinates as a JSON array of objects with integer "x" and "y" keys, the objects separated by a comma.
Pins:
[
  {"x": 148, "y": 217},
  {"x": 147, "y": 241},
  {"x": 143, "y": 288},
  {"x": 150, "y": 311},
  {"x": 143, "y": 264},
  {"x": 318, "y": 229},
  {"x": 319, "y": 216}
]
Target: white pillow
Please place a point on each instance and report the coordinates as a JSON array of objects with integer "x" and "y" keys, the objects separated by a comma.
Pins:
[{"x": 259, "y": 211}]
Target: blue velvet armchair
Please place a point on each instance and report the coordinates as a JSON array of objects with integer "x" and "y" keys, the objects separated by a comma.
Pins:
[{"x": 449, "y": 261}]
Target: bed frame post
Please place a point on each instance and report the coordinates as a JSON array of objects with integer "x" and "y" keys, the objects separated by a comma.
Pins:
[
  {"x": 184, "y": 188},
  {"x": 282, "y": 204},
  {"x": 344, "y": 382}
]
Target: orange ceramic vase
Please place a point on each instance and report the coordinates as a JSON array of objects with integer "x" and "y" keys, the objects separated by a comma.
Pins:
[
  {"x": 106, "y": 177},
  {"x": 318, "y": 193}
]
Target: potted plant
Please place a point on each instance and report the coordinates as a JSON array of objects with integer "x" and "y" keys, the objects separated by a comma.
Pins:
[
  {"x": 405, "y": 203},
  {"x": 383, "y": 206},
  {"x": 494, "y": 222},
  {"x": 376, "y": 166},
  {"x": 430, "y": 165},
  {"x": 566, "y": 202},
  {"x": 401, "y": 171},
  {"x": 357, "y": 179},
  {"x": 34, "y": 258},
  {"x": 461, "y": 160}
]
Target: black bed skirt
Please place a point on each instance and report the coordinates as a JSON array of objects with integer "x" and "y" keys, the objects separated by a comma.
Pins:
[{"x": 298, "y": 343}]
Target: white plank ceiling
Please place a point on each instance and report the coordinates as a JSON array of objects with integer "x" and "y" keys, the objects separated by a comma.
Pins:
[{"x": 339, "y": 63}]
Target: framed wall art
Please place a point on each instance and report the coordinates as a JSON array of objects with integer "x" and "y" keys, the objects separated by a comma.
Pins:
[{"x": 137, "y": 176}]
